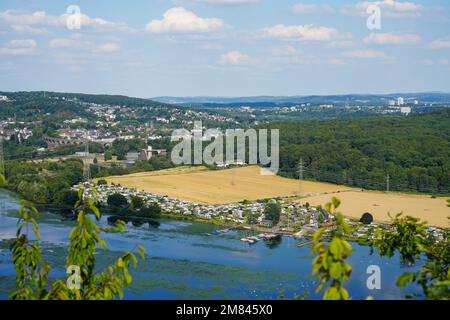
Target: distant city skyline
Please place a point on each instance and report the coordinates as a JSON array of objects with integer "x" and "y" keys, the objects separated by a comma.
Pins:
[{"x": 225, "y": 48}]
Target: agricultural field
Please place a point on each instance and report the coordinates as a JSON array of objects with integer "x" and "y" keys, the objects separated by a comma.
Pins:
[
  {"x": 200, "y": 185},
  {"x": 220, "y": 187},
  {"x": 379, "y": 204}
]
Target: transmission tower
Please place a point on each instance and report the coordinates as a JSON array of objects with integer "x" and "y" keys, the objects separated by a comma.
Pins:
[
  {"x": 2, "y": 160},
  {"x": 301, "y": 170},
  {"x": 233, "y": 178},
  {"x": 2, "y": 171},
  {"x": 87, "y": 165},
  {"x": 388, "y": 183}
]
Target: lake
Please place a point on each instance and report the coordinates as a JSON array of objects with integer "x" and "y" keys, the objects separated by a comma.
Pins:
[{"x": 183, "y": 263}]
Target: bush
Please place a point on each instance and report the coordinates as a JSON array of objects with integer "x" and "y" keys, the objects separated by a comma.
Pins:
[
  {"x": 137, "y": 202},
  {"x": 117, "y": 200},
  {"x": 272, "y": 212},
  {"x": 102, "y": 182},
  {"x": 151, "y": 211}
]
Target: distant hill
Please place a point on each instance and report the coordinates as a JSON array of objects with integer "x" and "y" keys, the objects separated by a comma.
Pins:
[
  {"x": 91, "y": 98},
  {"x": 32, "y": 105},
  {"x": 427, "y": 97}
]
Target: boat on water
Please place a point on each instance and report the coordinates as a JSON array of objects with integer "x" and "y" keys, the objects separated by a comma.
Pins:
[
  {"x": 267, "y": 236},
  {"x": 299, "y": 234},
  {"x": 250, "y": 240}
]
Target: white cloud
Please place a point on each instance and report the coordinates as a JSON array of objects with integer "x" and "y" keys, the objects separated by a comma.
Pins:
[
  {"x": 39, "y": 21},
  {"x": 289, "y": 55},
  {"x": 227, "y": 2},
  {"x": 235, "y": 58},
  {"x": 284, "y": 51},
  {"x": 302, "y": 8},
  {"x": 76, "y": 41},
  {"x": 180, "y": 20},
  {"x": 389, "y": 8},
  {"x": 19, "y": 47},
  {"x": 26, "y": 29},
  {"x": 431, "y": 62},
  {"x": 365, "y": 54},
  {"x": 301, "y": 32},
  {"x": 79, "y": 42},
  {"x": 107, "y": 48},
  {"x": 440, "y": 44},
  {"x": 336, "y": 62},
  {"x": 391, "y": 38},
  {"x": 62, "y": 43},
  {"x": 211, "y": 46}
]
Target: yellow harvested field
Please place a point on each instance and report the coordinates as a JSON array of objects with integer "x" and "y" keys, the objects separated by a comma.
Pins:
[
  {"x": 379, "y": 204},
  {"x": 200, "y": 185},
  {"x": 219, "y": 187}
]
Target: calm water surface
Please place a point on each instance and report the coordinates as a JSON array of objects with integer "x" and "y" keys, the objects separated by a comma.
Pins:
[{"x": 183, "y": 263}]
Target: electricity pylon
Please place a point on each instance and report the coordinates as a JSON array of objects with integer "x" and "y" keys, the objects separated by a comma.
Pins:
[
  {"x": 2, "y": 160},
  {"x": 87, "y": 165},
  {"x": 301, "y": 170}
]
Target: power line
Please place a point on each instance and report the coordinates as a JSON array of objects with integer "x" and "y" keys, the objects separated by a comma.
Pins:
[
  {"x": 301, "y": 169},
  {"x": 2, "y": 160},
  {"x": 87, "y": 166}
]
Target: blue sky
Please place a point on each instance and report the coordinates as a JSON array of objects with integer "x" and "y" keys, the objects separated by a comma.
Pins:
[{"x": 224, "y": 47}]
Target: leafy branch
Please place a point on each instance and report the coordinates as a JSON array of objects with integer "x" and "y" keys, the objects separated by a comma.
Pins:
[
  {"x": 330, "y": 264},
  {"x": 85, "y": 238}
]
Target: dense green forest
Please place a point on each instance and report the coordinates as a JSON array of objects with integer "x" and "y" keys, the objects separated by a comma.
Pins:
[
  {"x": 45, "y": 182},
  {"x": 413, "y": 151}
]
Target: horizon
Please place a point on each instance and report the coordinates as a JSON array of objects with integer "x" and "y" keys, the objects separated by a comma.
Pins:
[
  {"x": 234, "y": 96},
  {"x": 225, "y": 48}
]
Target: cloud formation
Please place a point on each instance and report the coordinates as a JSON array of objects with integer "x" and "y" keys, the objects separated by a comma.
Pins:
[
  {"x": 19, "y": 47},
  {"x": 235, "y": 58},
  {"x": 227, "y": 2},
  {"x": 391, "y": 38},
  {"x": 301, "y": 32},
  {"x": 302, "y": 8},
  {"x": 107, "y": 48},
  {"x": 38, "y": 22},
  {"x": 181, "y": 20},
  {"x": 365, "y": 54},
  {"x": 440, "y": 44},
  {"x": 389, "y": 8}
]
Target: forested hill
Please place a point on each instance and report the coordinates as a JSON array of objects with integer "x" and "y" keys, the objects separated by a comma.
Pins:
[
  {"x": 89, "y": 98},
  {"x": 413, "y": 151},
  {"x": 32, "y": 105}
]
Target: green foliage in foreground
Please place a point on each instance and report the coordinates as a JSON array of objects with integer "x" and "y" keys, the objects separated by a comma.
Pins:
[
  {"x": 330, "y": 264},
  {"x": 407, "y": 236},
  {"x": 83, "y": 284}
]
